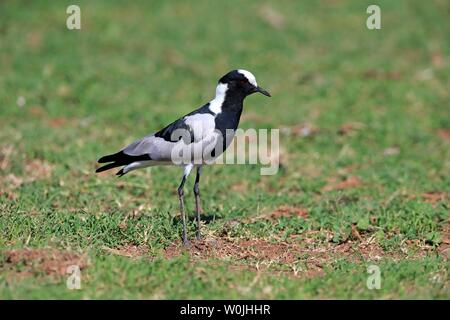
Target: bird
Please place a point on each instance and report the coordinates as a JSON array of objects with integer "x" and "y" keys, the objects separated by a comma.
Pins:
[{"x": 210, "y": 127}]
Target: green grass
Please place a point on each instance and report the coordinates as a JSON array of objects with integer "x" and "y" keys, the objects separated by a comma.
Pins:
[{"x": 136, "y": 66}]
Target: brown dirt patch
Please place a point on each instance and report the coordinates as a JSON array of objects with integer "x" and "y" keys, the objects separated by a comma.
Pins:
[
  {"x": 444, "y": 134},
  {"x": 12, "y": 181},
  {"x": 349, "y": 182},
  {"x": 438, "y": 60},
  {"x": 26, "y": 262},
  {"x": 226, "y": 249},
  {"x": 240, "y": 186},
  {"x": 37, "y": 169},
  {"x": 34, "y": 40},
  {"x": 5, "y": 155},
  {"x": 350, "y": 128},
  {"x": 37, "y": 111},
  {"x": 304, "y": 255},
  {"x": 8, "y": 183},
  {"x": 444, "y": 247},
  {"x": 435, "y": 197},
  {"x": 288, "y": 211},
  {"x": 58, "y": 122}
]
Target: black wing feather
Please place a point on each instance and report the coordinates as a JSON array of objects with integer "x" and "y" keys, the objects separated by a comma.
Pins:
[{"x": 120, "y": 159}]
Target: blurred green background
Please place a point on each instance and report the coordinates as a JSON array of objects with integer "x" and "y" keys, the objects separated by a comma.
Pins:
[{"x": 365, "y": 129}]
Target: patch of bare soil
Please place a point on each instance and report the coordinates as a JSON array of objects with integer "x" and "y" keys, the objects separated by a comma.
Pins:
[
  {"x": 240, "y": 186},
  {"x": 226, "y": 249},
  {"x": 438, "y": 60},
  {"x": 5, "y": 181},
  {"x": 34, "y": 40},
  {"x": 435, "y": 197},
  {"x": 37, "y": 169},
  {"x": 444, "y": 247},
  {"x": 58, "y": 122},
  {"x": 349, "y": 182},
  {"x": 304, "y": 255},
  {"x": 288, "y": 211},
  {"x": 5, "y": 155},
  {"x": 350, "y": 128},
  {"x": 8, "y": 184},
  {"x": 26, "y": 262},
  {"x": 444, "y": 134}
]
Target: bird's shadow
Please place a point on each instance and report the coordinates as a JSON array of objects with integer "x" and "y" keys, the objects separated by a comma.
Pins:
[
  {"x": 205, "y": 218},
  {"x": 208, "y": 218}
]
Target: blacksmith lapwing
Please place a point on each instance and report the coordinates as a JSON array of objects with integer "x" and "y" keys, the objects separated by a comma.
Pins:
[{"x": 211, "y": 127}]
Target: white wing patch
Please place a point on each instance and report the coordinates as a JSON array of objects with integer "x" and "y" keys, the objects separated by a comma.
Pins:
[{"x": 251, "y": 78}]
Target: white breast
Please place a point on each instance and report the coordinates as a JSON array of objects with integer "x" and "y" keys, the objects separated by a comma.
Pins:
[{"x": 201, "y": 124}]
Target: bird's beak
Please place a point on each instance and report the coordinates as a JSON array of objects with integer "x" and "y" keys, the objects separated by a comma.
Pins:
[{"x": 264, "y": 92}]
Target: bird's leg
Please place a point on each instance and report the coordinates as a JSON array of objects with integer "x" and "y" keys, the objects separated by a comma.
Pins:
[
  {"x": 187, "y": 170},
  {"x": 198, "y": 208},
  {"x": 183, "y": 214}
]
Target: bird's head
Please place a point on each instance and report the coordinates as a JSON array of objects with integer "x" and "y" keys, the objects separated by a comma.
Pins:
[{"x": 241, "y": 82}]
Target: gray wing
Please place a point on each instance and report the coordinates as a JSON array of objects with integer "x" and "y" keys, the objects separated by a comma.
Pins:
[
  {"x": 156, "y": 148},
  {"x": 190, "y": 129},
  {"x": 194, "y": 131}
]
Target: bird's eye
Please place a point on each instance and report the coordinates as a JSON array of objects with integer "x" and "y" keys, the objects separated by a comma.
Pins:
[{"x": 243, "y": 81}]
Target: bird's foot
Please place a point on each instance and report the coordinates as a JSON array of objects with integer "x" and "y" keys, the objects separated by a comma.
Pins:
[{"x": 186, "y": 243}]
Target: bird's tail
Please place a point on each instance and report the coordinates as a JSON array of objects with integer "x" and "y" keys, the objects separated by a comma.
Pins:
[
  {"x": 117, "y": 161},
  {"x": 120, "y": 159},
  {"x": 110, "y": 157}
]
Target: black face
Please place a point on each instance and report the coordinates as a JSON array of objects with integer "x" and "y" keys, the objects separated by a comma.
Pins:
[{"x": 237, "y": 82}]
